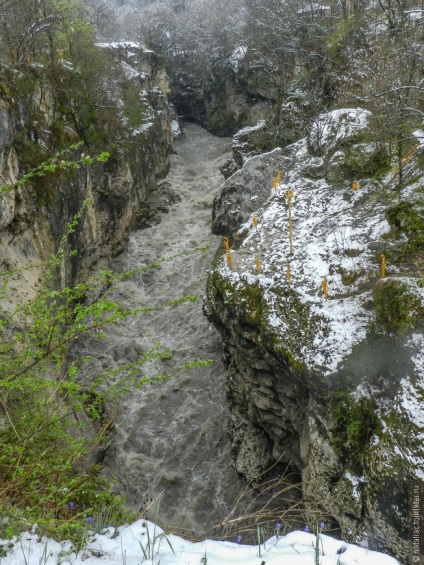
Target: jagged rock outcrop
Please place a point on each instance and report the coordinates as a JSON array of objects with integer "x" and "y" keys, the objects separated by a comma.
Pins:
[
  {"x": 247, "y": 143},
  {"x": 123, "y": 193},
  {"x": 330, "y": 385},
  {"x": 251, "y": 141},
  {"x": 243, "y": 193}
]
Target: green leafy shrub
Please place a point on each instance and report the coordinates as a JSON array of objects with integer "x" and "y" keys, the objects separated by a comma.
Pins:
[
  {"x": 356, "y": 422},
  {"x": 52, "y": 420},
  {"x": 135, "y": 110},
  {"x": 397, "y": 309},
  {"x": 405, "y": 218}
]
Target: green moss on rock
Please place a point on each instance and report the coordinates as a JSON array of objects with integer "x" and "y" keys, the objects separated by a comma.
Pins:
[
  {"x": 356, "y": 422},
  {"x": 301, "y": 329},
  {"x": 221, "y": 122},
  {"x": 397, "y": 309},
  {"x": 362, "y": 160},
  {"x": 135, "y": 109},
  {"x": 239, "y": 298},
  {"x": 246, "y": 303},
  {"x": 406, "y": 218}
]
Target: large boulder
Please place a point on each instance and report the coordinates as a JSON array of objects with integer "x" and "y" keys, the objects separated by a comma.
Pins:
[
  {"x": 244, "y": 192},
  {"x": 251, "y": 141}
]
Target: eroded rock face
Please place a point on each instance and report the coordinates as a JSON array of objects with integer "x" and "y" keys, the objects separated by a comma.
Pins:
[
  {"x": 247, "y": 143},
  {"x": 223, "y": 103},
  {"x": 326, "y": 376},
  {"x": 251, "y": 141},
  {"x": 123, "y": 193},
  {"x": 243, "y": 193}
]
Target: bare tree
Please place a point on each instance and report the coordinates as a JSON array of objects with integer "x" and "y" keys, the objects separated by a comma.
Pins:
[{"x": 386, "y": 76}]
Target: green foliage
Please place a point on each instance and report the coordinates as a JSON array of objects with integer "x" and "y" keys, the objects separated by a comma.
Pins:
[
  {"x": 46, "y": 408},
  {"x": 135, "y": 110},
  {"x": 406, "y": 218},
  {"x": 373, "y": 165},
  {"x": 55, "y": 164},
  {"x": 397, "y": 309},
  {"x": 153, "y": 543},
  {"x": 361, "y": 160},
  {"x": 243, "y": 298},
  {"x": 58, "y": 81},
  {"x": 356, "y": 422},
  {"x": 52, "y": 419},
  {"x": 336, "y": 40},
  {"x": 349, "y": 277},
  {"x": 317, "y": 560}
]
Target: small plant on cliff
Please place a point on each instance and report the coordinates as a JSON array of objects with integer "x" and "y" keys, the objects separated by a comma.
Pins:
[
  {"x": 397, "y": 309},
  {"x": 407, "y": 219},
  {"x": 356, "y": 422},
  {"x": 58, "y": 162}
]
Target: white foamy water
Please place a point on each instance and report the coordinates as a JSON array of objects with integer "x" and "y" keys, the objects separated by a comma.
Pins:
[{"x": 171, "y": 438}]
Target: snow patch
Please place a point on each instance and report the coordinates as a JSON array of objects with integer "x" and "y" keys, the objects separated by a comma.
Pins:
[
  {"x": 128, "y": 544},
  {"x": 143, "y": 128},
  {"x": 176, "y": 129},
  {"x": 338, "y": 127},
  {"x": 121, "y": 45},
  {"x": 355, "y": 481},
  {"x": 237, "y": 57}
]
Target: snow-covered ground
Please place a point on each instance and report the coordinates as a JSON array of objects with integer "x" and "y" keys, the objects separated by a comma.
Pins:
[
  {"x": 145, "y": 543},
  {"x": 337, "y": 234}
]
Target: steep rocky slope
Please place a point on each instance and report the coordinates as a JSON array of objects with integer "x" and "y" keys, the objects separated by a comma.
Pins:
[
  {"x": 330, "y": 378},
  {"x": 225, "y": 99},
  {"x": 123, "y": 193}
]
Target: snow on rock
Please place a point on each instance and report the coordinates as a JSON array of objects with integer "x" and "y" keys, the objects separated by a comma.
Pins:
[
  {"x": 121, "y": 45},
  {"x": 355, "y": 482},
  {"x": 237, "y": 57},
  {"x": 243, "y": 193},
  {"x": 143, "y": 128},
  {"x": 322, "y": 321},
  {"x": 331, "y": 235},
  {"x": 177, "y": 132},
  {"x": 245, "y": 142},
  {"x": 337, "y": 128},
  {"x": 132, "y": 73},
  {"x": 409, "y": 401},
  {"x": 144, "y": 542},
  {"x": 419, "y": 134}
]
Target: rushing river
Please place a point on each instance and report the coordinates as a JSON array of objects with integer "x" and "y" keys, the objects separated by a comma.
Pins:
[{"x": 170, "y": 439}]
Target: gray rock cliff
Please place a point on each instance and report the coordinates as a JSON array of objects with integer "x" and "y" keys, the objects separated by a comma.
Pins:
[
  {"x": 124, "y": 193},
  {"x": 325, "y": 354}
]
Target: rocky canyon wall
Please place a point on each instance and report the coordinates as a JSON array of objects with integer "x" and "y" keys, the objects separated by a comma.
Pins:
[
  {"x": 123, "y": 193},
  {"x": 324, "y": 349}
]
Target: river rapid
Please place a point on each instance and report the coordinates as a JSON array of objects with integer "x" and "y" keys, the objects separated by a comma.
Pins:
[{"x": 170, "y": 439}]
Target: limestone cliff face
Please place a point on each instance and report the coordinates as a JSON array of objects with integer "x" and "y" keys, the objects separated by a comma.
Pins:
[
  {"x": 222, "y": 101},
  {"x": 124, "y": 193},
  {"x": 327, "y": 377}
]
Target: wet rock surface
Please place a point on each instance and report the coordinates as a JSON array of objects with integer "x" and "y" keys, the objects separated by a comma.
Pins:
[
  {"x": 123, "y": 193},
  {"x": 243, "y": 193}
]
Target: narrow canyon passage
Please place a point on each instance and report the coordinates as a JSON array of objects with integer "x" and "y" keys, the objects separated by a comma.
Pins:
[{"x": 170, "y": 438}]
